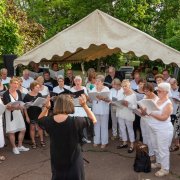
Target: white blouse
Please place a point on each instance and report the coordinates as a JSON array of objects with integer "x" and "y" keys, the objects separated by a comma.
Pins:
[
  {"x": 58, "y": 90},
  {"x": 126, "y": 112},
  {"x": 155, "y": 123},
  {"x": 45, "y": 91},
  {"x": 100, "y": 107}
]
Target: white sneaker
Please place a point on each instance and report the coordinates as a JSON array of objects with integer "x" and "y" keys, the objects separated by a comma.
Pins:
[
  {"x": 86, "y": 140},
  {"x": 22, "y": 148},
  {"x": 155, "y": 165},
  {"x": 15, "y": 150}
]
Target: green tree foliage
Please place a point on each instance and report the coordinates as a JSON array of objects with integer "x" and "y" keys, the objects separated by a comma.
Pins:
[
  {"x": 30, "y": 31},
  {"x": 173, "y": 33},
  {"x": 138, "y": 13},
  {"x": 167, "y": 11},
  {"x": 18, "y": 34},
  {"x": 10, "y": 39},
  {"x": 52, "y": 14}
]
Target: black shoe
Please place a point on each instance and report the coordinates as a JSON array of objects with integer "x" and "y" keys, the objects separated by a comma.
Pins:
[
  {"x": 122, "y": 146},
  {"x": 130, "y": 150}
]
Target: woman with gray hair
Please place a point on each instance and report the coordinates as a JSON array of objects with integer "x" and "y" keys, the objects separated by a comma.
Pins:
[
  {"x": 78, "y": 85},
  {"x": 100, "y": 108},
  {"x": 161, "y": 130},
  {"x": 114, "y": 91}
]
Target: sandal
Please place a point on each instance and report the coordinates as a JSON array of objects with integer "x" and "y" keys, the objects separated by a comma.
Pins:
[
  {"x": 2, "y": 158},
  {"x": 130, "y": 150},
  {"x": 43, "y": 144},
  {"x": 122, "y": 146},
  {"x": 34, "y": 146},
  {"x": 174, "y": 148},
  {"x": 161, "y": 173}
]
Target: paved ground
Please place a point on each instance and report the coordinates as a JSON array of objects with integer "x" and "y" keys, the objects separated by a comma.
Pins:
[{"x": 111, "y": 164}]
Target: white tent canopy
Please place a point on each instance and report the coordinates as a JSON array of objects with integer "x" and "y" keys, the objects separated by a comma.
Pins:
[{"x": 95, "y": 36}]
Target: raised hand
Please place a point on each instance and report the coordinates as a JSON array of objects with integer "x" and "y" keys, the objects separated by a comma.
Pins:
[{"x": 82, "y": 100}]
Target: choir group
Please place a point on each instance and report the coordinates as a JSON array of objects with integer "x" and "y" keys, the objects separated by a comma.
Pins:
[{"x": 109, "y": 97}]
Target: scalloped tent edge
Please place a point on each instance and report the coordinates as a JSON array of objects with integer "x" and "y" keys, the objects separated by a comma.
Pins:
[{"x": 95, "y": 36}]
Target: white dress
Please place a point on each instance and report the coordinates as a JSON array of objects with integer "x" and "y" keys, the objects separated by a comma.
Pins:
[{"x": 17, "y": 123}]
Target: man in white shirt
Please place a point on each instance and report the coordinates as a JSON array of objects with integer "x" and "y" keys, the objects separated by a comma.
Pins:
[
  {"x": 27, "y": 80},
  {"x": 5, "y": 79},
  {"x": 135, "y": 81}
]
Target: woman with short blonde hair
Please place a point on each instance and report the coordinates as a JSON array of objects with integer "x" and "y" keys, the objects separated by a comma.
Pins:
[
  {"x": 126, "y": 116},
  {"x": 43, "y": 89},
  {"x": 14, "y": 119}
]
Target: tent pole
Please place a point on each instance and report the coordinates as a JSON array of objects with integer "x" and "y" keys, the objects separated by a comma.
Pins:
[{"x": 83, "y": 71}]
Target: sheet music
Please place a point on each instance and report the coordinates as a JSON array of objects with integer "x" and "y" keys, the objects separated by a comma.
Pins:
[
  {"x": 118, "y": 103},
  {"x": 139, "y": 96},
  {"x": 21, "y": 103},
  {"x": 177, "y": 100},
  {"x": 2, "y": 108},
  {"x": 77, "y": 93},
  {"x": 2, "y": 92},
  {"x": 108, "y": 84},
  {"x": 55, "y": 74},
  {"x": 93, "y": 95},
  {"x": 137, "y": 112},
  {"x": 35, "y": 74},
  {"x": 39, "y": 102},
  {"x": 176, "y": 97},
  {"x": 17, "y": 103},
  {"x": 79, "y": 111},
  {"x": 114, "y": 99},
  {"x": 149, "y": 104}
]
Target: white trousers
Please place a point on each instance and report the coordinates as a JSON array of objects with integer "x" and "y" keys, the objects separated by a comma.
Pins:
[
  {"x": 101, "y": 129},
  {"x": 114, "y": 123},
  {"x": 129, "y": 125},
  {"x": 145, "y": 130},
  {"x": 161, "y": 140},
  {"x": 1, "y": 133}
]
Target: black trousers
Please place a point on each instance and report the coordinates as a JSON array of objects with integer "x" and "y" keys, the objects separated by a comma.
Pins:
[{"x": 137, "y": 127}]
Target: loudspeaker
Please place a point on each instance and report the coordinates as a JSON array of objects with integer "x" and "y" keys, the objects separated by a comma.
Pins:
[{"x": 8, "y": 63}]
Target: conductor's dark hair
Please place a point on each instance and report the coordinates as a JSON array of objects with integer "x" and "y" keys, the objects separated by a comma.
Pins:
[{"x": 64, "y": 104}]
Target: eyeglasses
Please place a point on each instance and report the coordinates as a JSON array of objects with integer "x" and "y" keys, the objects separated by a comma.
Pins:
[
  {"x": 146, "y": 91},
  {"x": 159, "y": 91}
]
